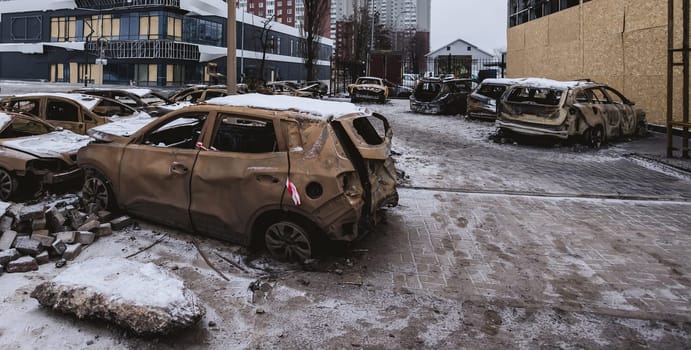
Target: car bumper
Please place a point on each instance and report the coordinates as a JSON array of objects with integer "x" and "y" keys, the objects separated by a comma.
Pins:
[
  {"x": 426, "y": 108},
  {"x": 54, "y": 178},
  {"x": 532, "y": 130}
]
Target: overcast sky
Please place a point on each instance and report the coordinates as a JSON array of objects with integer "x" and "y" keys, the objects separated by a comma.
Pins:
[{"x": 479, "y": 22}]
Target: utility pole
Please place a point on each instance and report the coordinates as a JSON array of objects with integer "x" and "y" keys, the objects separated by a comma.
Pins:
[{"x": 231, "y": 74}]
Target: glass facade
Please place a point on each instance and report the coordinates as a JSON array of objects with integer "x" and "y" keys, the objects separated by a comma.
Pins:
[{"x": 522, "y": 11}]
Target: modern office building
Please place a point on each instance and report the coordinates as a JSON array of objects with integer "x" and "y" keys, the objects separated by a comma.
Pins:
[
  {"x": 149, "y": 42},
  {"x": 619, "y": 42}
]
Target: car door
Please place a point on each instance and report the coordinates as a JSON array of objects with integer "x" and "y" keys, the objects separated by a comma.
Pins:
[
  {"x": 65, "y": 113},
  {"x": 155, "y": 170},
  {"x": 242, "y": 170},
  {"x": 609, "y": 112},
  {"x": 626, "y": 113}
]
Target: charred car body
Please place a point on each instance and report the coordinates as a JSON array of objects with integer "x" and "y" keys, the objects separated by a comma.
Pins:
[
  {"x": 438, "y": 96},
  {"x": 368, "y": 89},
  {"x": 482, "y": 103},
  {"x": 34, "y": 153},
  {"x": 145, "y": 100},
  {"x": 287, "y": 89},
  {"x": 74, "y": 112},
  {"x": 587, "y": 110},
  {"x": 252, "y": 169}
]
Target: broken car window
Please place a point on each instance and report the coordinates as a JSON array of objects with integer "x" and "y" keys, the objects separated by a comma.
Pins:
[
  {"x": 599, "y": 96},
  {"x": 542, "y": 96},
  {"x": 107, "y": 108},
  {"x": 23, "y": 127},
  {"x": 371, "y": 134},
  {"x": 182, "y": 132},
  {"x": 25, "y": 106},
  {"x": 238, "y": 134},
  {"x": 492, "y": 91},
  {"x": 62, "y": 111}
]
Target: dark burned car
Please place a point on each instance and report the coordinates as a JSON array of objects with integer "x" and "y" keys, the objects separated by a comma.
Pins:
[
  {"x": 34, "y": 153},
  {"x": 252, "y": 169},
  {"x": 146, "y": 100},
  {"x": 482, "y": 103},
  {"x": 590, "y": 111},
  {"x": 437, "y": 96}
]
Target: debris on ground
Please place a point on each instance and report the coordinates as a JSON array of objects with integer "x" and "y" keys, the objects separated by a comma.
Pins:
[{"x": 142, "y": 298}]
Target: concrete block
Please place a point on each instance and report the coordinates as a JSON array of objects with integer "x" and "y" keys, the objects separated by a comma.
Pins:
[
  {"x": 7, "y": 239},
  {"x": 72, "y": 251},
  {"x": 55, "y": 219},
  {"x": 104, "y": 230},
  {"x": 6, "y": 223},
  {"x": 8, "y": 255},
  {"x": 43, "y": 258},
  {"x": 14, "y": 210},
  {"x": 104, "y": 216},
  {"x": 76, "y": 217},
  {"x": 32, "y": 212},
  {"x": 86, "y": 237},
  {"x": 89, "y": 225},
  {"x": 23, "y": 264},
  {"x": 121, "y": 222},
  {"x": 26, "y": 245},
  {"x": 38, "y": 224},
  {"x": 45, "y": 239},
  {"x": 68, "y": 237},
  {"x": 57, "y": 248},
  {"x": 41, "y": 232}
]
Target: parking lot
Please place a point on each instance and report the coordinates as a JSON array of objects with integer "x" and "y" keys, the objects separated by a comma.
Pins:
[{"x": 499, "y": 245}]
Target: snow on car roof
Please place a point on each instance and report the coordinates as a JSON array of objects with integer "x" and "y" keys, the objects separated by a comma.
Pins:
[
  {"x": 323, "y": 109},
  {"x": 123, "y": 126},
  {"x": 87, "y": 101},
  {"x": 139, "y": 92},
  {"x": 503, "y": 81},
  {"x": 63, "y": 141},
  {"x": 4, "y": 119},
  {"x": 551, "y": 84}
]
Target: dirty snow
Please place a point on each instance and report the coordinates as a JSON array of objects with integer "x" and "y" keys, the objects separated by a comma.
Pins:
[
  {"x": 4, "y": 120},
  {"x": 123, "y": 126},
  {"x": 56, "y": 142},
  {"x": 140, "y": 284},
  {"x": 3, "y": 207},
  {"x": 87, "y": 101},
  {"x": 325, "y": 109}
]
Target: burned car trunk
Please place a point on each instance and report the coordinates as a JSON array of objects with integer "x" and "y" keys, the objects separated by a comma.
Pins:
[
  {"x": 586, "y": 110},
  {"x": 252, "y": 169},
  {"x": 482, "y": 103},
  {"x": 437, "y": 96}
]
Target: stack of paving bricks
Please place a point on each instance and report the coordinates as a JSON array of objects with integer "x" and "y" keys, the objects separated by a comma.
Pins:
[{"x": 34, "y": 234}]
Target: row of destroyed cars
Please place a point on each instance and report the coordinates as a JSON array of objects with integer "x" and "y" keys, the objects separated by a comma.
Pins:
[
  {"x": 254, "y": 169},
  {"x": 588, "y": 111}
]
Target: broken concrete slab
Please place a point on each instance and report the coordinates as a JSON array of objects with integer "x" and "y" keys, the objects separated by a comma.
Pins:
[
  {"x": 42, "y": 258},
  {"x": 57, "y": 248},
  {"x": 55, "y": 218},
  {"x": 7, "y": 239},
  {"x": 104, "y": 230},
  {"x": 45, "y": 239},
  {"x": 23, "y": 264},
  {"x": 140, "y": 297},
  {"x": 121, "y": 222},
  {"x": 68, "y": 237},
  {"x": 32, "y": 212},
  {"x": 86, "y": 237},
  {"x": 72, "y": 251},
  {"x": 90, "y": 225},
  {"x": 26, "y": 245},
  {"x": 104, "y": 216},
  {"x": 8, "y": 255},
  {"x": 38, "y": 224}
]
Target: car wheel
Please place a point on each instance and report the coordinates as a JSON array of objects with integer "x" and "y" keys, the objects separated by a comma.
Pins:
[
  {"x": 289, "y": 240},
  {"x": 96, "y": 190},
  {"x": 382, "y": 99},
  {"x": 595, "y": 137},
  {"x": 8, "y": 185}
]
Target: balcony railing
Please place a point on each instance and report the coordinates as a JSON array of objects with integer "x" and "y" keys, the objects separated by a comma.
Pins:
[
  {"x": 113, "y": 4},
  {"x": 163, "y": 49}
]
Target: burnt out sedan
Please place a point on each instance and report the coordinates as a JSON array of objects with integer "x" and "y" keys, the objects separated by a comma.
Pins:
[
  {"x": 591, "y": 112},
  {"x": 33, "y": 153},
  {"x": 252, "y": 169},
  {"x": 482, "y": 103},
  {"x": 438, "y": 96}
]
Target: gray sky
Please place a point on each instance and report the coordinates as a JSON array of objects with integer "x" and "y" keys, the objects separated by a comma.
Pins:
[{"x": 480, "y": 22}]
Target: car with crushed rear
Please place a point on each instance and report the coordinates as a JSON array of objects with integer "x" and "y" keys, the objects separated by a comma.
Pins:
[
  {"x": 35, "y": 154},
  {"x": 482, "y": 102},
  {"x": 588, "y": 111},
  {"x": 441, "y": 96},
  {"x": 252, "y": 169}
]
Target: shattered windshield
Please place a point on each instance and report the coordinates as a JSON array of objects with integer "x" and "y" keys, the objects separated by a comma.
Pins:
[
  {"x": 541, "y": 96},
  {"x": 492, "y": 91}
]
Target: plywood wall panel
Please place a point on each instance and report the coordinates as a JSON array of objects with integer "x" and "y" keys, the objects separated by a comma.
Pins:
[
  {"x": 515, "y": 63},
  {"x": 565, "y": 26},
  {"x": 536, "y": 33},
  {"x": 649, "y": 94},
  {"x": 645, "y": 52},
  {"x": 642, "y": 14},
  {"x": 603, "y": 17},
  {"x": 516, "y": 37},
  {"x": 604, "y": 56}
]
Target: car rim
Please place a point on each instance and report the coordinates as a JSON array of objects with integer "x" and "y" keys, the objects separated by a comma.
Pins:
[
  {"x": 6, "y": 185},
  {"x": 289, "y": 241},
  {"x": 597, "y": 138},
  {"x": 95, "y": 191}
]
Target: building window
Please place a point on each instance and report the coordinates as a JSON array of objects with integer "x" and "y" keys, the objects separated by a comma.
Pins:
[{"x": 25, "y": 28}]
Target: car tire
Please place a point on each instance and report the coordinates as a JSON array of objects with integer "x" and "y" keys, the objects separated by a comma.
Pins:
[
  {"x": 8, "y": 185},
  {"x": 289, "y": 239},
  {"x": 382, "y": 99},
  {"x": 595, "y": 137},
  {"x": 97, "y": 190}
]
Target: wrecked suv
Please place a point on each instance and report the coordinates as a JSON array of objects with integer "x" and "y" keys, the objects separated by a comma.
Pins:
[
  {"x": 252, "y": 169},
  {"x": 438, "y": 96},
  {"x": 585, "y": 110}
]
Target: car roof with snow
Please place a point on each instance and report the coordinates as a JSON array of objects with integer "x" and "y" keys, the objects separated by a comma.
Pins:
[
  {"x": 553, "y": 84},
  {"x": 88, "y": 101},
  {"x": 502, "y": 81},
  {"x": 315, "y": 108}
]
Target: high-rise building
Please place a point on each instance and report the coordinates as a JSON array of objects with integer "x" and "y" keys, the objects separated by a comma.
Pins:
[{"x": 288, "y": 12}]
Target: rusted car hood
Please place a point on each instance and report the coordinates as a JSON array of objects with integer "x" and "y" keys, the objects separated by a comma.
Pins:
[{"x": 55, "y": 144}]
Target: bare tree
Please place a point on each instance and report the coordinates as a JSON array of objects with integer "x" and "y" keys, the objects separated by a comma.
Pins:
[
  {"x": 265, "y": 43},
  {"x": 316, "y": 15}
]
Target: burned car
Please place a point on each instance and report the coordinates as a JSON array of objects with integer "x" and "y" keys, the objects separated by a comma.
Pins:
[
  {"x": 140, "y": 99},
  {"x": 482, "y": 103},
  {"x": 199, "y": 94},
  {"x": 438, "y": 96},
  {"x": 284, "y": 88},
  {"x": 252, "y": 169},
  {"x": 74, "y": 112},
  {"x": 368, "y": 89},
  {"x": 574, "y": 109},
  {"x": 34, "y": 153}
]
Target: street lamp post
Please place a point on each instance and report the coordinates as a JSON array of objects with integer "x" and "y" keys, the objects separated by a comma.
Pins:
[{"x": 231, "y": 63}]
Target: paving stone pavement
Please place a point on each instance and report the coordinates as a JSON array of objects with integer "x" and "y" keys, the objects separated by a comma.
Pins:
[{"x": 625, "y": 258}]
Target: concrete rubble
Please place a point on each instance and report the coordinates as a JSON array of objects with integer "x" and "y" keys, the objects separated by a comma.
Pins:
[
  {"x": 52, "y": 229},
  {"x": 139, "y": 297}
]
